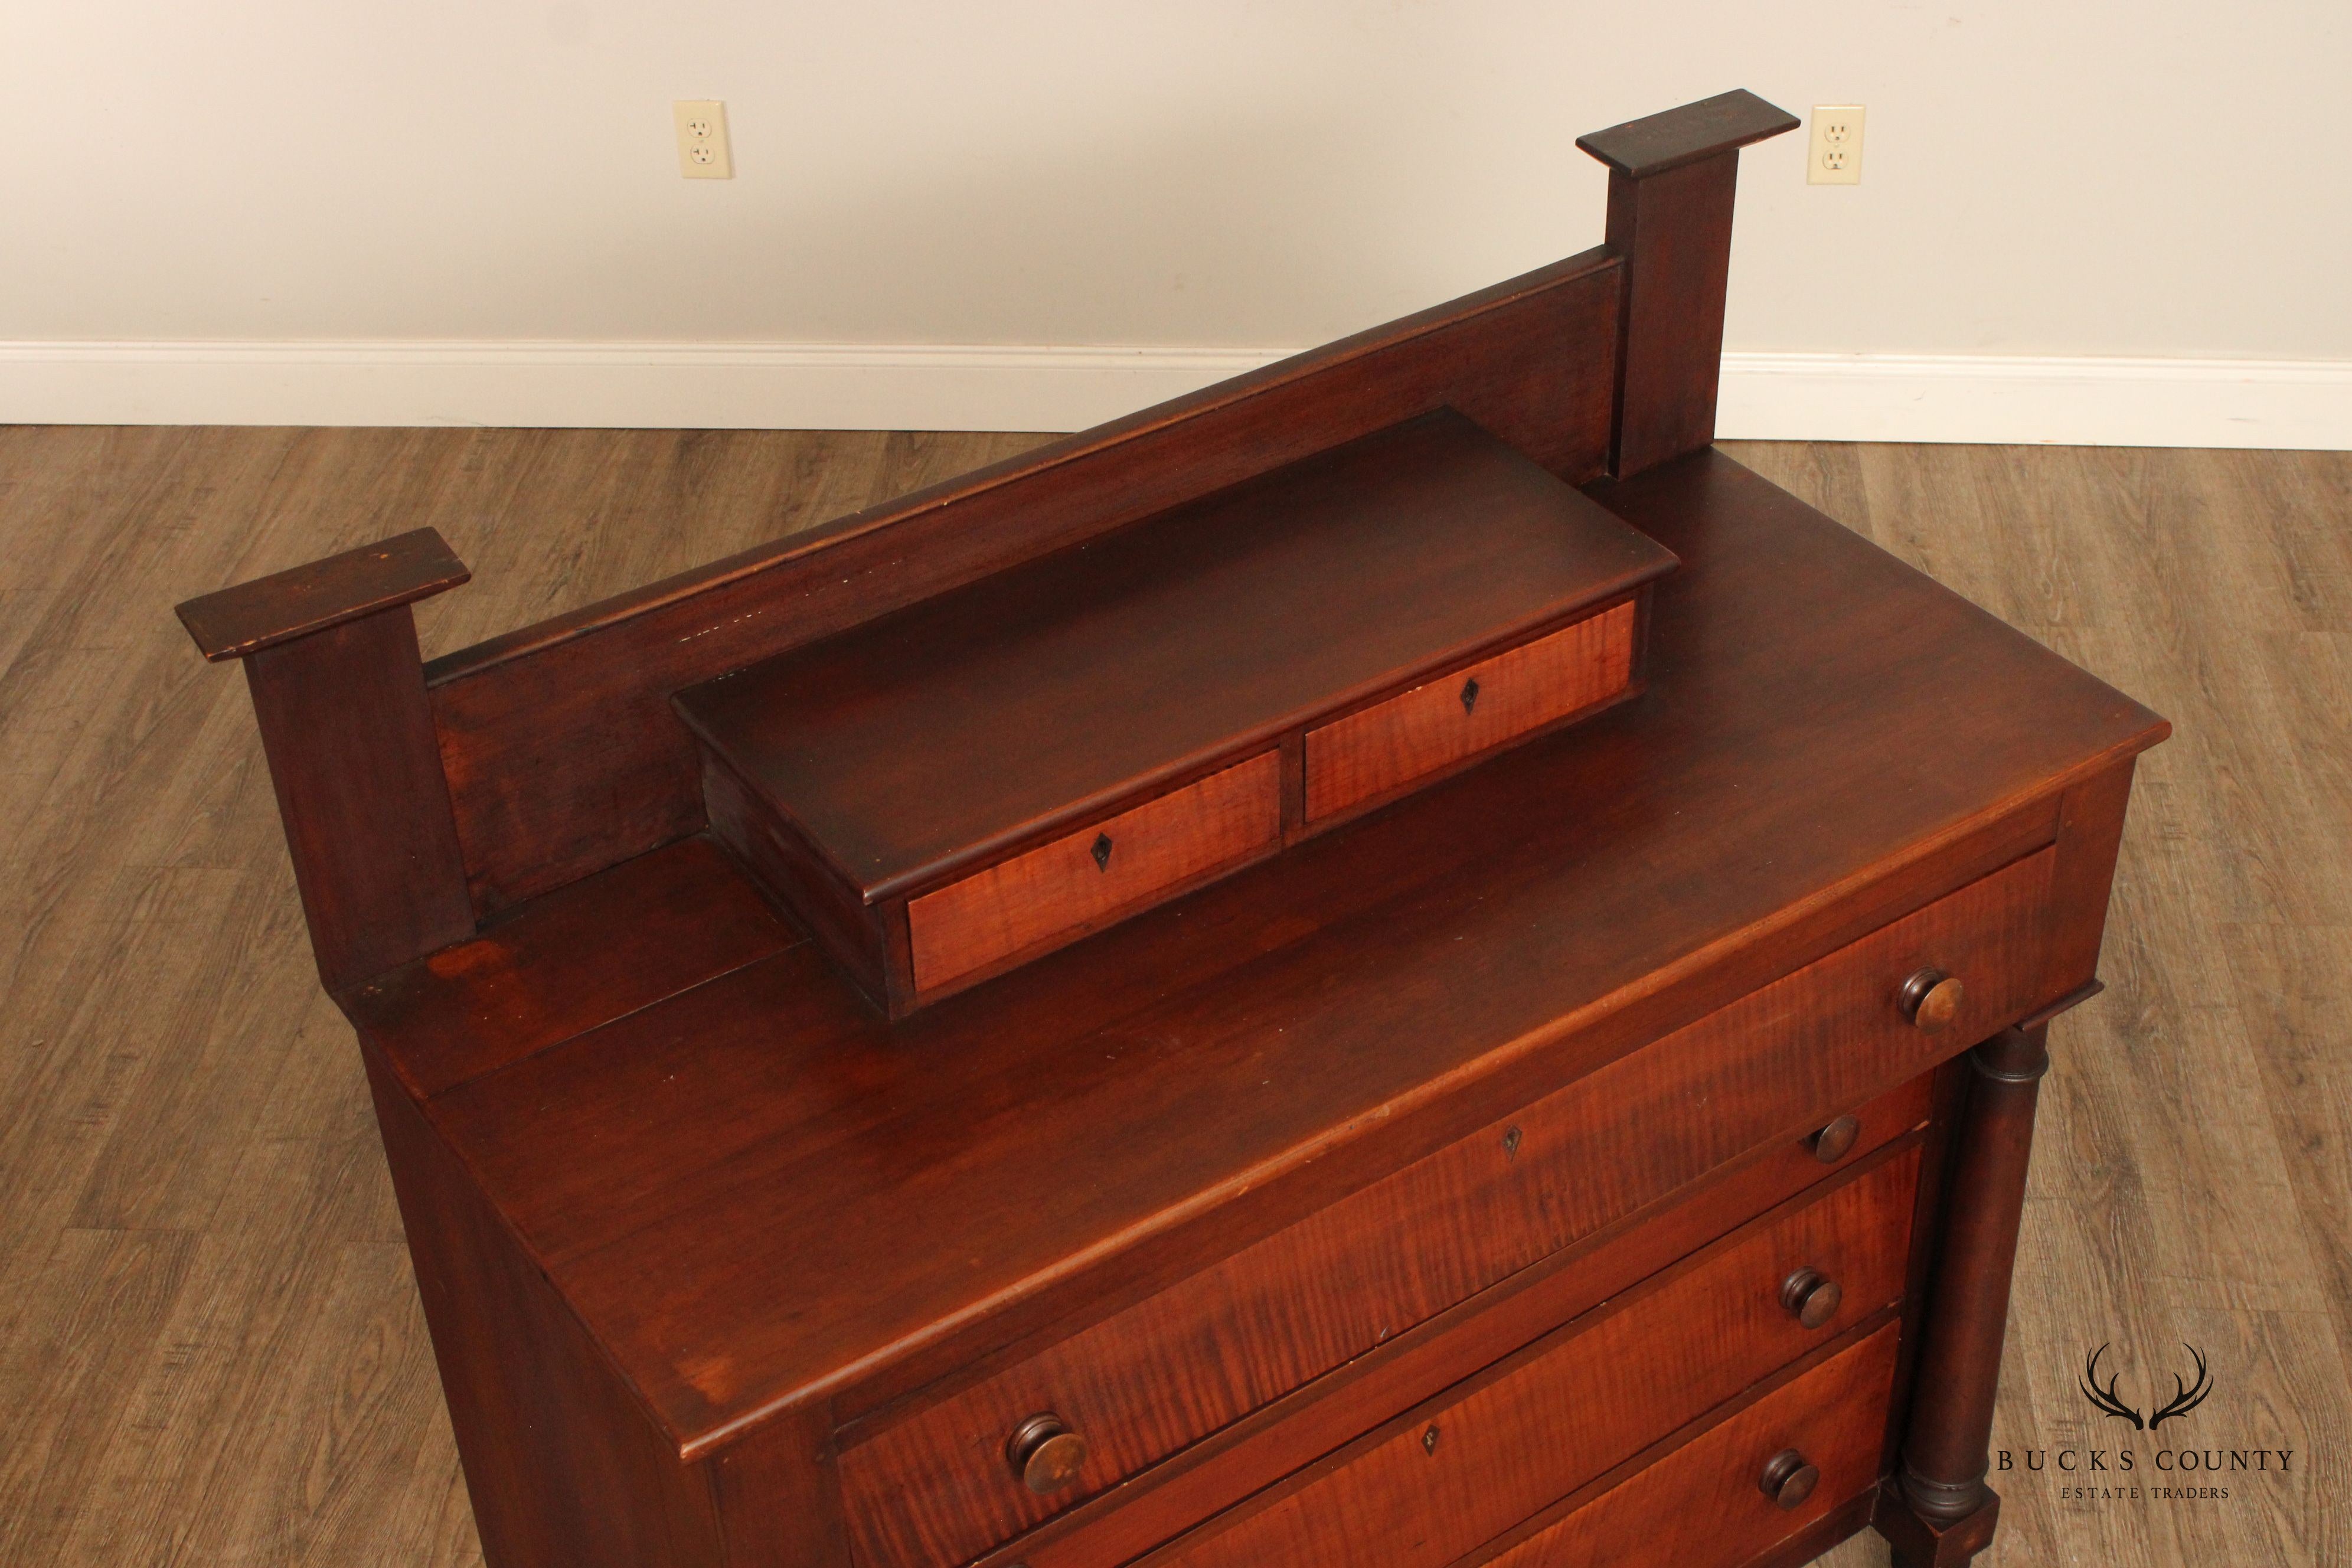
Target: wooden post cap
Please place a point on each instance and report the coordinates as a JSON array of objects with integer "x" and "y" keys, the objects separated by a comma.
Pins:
[
  {"x": 279, "y": 608},
  {"x": 1656, "y": 142}
]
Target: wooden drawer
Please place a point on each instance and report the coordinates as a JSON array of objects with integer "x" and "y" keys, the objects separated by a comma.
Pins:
[
  {"x": 1702, "y": 1506},
  {"x": 1377, "y": 752},
  {"x": 934, "y": 1486},
  {"x": 1441, "y": 1480},
  {"x": 1058, "y": 890}
]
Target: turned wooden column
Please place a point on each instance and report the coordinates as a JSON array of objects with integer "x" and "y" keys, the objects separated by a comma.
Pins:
[
  {"x": 1938, "y": 1511},
  {"x": 330, "y": 652}
]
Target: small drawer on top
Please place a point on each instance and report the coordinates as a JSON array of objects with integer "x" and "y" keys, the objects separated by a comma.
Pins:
[
  {"x": 1058, "y": 890},
  {"x": 1468, "y": 1465},
  {"x": 1746, "y": 1484},
  {"x": 1378, "y": 752}
]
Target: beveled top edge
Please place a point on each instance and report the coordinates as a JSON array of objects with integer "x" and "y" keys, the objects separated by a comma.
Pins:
[
  {"x": 236, "y": 622},
  {"x": 1656, "y": 142}
]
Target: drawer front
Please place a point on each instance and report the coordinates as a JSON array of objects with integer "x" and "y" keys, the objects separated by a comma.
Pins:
[
  {"x": 1376, "y": 751},
  {"x": 1467, "y": 1465},
  {"x": 1105, "y": 869},
  {"x": 1702, "y": 1506},
  {"x": 935, "y": 1488}
]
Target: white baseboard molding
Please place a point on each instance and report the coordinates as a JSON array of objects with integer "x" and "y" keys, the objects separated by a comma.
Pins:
[
  {"x": 2020, "y": 400},
  {"x": 1766, "y": 396}
]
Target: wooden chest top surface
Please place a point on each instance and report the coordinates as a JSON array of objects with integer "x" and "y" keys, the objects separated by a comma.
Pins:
[
  {"x": 941, "y": 734},
  {"x": 754, "y": 1192}
]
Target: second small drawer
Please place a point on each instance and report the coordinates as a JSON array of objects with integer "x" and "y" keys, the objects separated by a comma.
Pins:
[{"x": 1367, "y": 756}]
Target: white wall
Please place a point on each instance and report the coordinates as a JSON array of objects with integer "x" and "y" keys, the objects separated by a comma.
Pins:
[{"x": 322, "y": 209}]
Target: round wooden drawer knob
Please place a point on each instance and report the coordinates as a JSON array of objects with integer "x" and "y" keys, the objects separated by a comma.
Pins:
[
  {"x": 1812, "y": 1297},
  {"x": 1788, "y": 1478},
  {"x": 1831, "y": 1143},
  {"x": 1045, "y": 1454},
  {"x": 1931, "y": 1000}
]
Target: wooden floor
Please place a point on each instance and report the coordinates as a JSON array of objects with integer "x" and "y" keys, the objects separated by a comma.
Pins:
[{"x": 210, "y": 1347}]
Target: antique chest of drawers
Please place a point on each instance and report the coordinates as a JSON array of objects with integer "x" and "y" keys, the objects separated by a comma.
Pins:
[{"x": 1609, "y": 1153}]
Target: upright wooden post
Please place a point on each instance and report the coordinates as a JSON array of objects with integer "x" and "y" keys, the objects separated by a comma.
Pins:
[
  {"x": 331, "y": 655},
  {"x": 1671, "y": 178}
]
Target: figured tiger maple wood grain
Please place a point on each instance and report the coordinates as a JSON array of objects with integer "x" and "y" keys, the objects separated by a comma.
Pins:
[
  {"x": 228, "y": 1262},
  {"x": 1376, "y": 751},
  {"x": 769, "y": 1102},
  {"x": 933, "y": 1488},
  {"x": 1701, "y": 1503},
  {"x": 1444, "y": 1477},
  {"x": 1058, "y": 891},
  {"x": 1128, "y": 1520}
]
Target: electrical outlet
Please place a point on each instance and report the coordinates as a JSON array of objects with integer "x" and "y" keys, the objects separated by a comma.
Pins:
[
  {"x": 1836, "y": 158},
  {"x": 702, "y": 139}
]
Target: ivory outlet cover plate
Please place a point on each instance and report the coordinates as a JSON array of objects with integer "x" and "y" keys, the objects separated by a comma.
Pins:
[
  {"x": 1836, "y": 155},
  {"x": 702, "y": 153}
]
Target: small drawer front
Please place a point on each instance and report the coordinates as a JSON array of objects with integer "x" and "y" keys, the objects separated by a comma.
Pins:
[
  {"x": 1465, "y": 1467},
  {"x": 1376, "y": 751},
  {"x": 1105, "y": 869},
  {"x": 1704, "y": 1506},
  {"x": 935, "y": 1487}
]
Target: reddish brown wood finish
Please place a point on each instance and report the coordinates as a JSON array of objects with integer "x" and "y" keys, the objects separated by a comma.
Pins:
[
  {"x": 928, "y": 742},
  {"x": 1377, "y": 752},
  {"x": 1674, "y": 231},
  {"x": 1701, "y": 1504},
  {"x": 1464, "y": 1468},
  {"x": 1417, "y": 1364},
  {"x": 695, "y": 1226},
  {"x": 350, "y": 740},
  {"x": 548, "y": 970},
  {"x": 1946, "y": 1453},
  {"x": 286, "y": 606},
  {"x": 771, "y": 1104},
  {"x": 562, "y": 1462},
  {"x": 884, "y": 780},
  {"x": 1058, "y": 891},
  {"x": 933, "y": 1490},
  {"x": 563, "y": 753},
  {"x": 339, "y": 695},
  {"x": 1671, "y": 180}
]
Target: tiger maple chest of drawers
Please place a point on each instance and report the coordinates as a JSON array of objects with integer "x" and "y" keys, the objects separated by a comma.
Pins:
[{"x": 1609, "y": 1152}]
